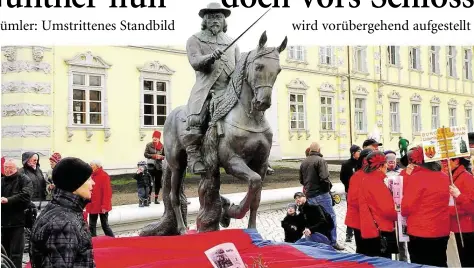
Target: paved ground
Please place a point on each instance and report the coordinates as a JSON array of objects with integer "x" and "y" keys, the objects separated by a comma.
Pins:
[{"x": 269, "y": 225}]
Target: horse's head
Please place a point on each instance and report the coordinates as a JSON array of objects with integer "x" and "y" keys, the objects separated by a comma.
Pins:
[{"x": 263, "y": 67}]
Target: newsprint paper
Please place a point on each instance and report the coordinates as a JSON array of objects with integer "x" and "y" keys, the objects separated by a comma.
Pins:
[{"x": 225, "y": 256}]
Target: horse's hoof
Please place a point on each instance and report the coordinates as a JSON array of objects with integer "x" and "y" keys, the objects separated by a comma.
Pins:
[{"x": 182, "y": 231}]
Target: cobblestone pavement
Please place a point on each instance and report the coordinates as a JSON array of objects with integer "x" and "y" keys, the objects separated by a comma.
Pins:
[{"x": 269, "y": 225}]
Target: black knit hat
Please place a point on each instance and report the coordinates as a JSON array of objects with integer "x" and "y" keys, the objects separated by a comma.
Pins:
[
  {"x": 354, "y": 148},
  {"x": 71, "y": 173}
]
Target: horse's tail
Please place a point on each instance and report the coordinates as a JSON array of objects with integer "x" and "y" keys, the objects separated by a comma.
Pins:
[{"x": 210, "y": 148}]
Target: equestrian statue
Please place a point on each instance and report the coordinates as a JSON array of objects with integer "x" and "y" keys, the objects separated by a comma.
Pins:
[{"x": 223, "y": 125}]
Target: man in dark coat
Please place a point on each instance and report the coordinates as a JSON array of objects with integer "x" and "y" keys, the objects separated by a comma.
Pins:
[
  {"x": 16, "y": 196},
  {"x": 60, "y": 236},
  {"x": 316, "y": 220},
  {"x": 348, "y": 168},
  {"x": 213, "y": 68},
  {"x": 314, "y": 176},
  {"x": 31, "y": 168}
]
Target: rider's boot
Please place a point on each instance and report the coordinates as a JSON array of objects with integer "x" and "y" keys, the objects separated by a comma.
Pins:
[{"x": 192, "y": 142}]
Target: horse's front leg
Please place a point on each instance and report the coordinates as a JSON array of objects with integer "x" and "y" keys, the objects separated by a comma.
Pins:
[
  {"x": 238, "y": 168},
  {"x": 262, "y": 170}
]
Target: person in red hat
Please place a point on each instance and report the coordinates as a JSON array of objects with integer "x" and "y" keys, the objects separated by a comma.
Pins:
[
  {"x": 463, "y": 192},
  {"x": 425, "y": 203},
  {"x": 155, "y": 153},
  {"x": 376, "y": 209},
  {"x": 53, "y": 160}
]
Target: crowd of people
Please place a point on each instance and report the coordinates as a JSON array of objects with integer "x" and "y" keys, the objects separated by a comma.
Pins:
[
  {"x": 430, "y": 204},
  {"x": 29, "y": 194},
  {"x": 31, "y": 199}
]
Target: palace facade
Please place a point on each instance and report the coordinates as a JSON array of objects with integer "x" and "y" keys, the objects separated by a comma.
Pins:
[{"x": 104, "y": 102}]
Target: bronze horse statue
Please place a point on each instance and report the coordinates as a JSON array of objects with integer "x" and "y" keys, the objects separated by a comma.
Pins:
[{"x": 238, "y": 139}]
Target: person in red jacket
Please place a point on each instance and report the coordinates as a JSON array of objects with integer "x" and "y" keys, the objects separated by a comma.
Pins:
[
  {"x": 425, "y": 203},
  {"x": 463, "y": 192},
  {"x": 101, "y": 200},
  {"x": 352, "y": 214},
  {"x": 377, "y": 209}
]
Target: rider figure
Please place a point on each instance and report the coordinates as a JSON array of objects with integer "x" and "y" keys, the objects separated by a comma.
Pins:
[{"x": 213, "y": 68}]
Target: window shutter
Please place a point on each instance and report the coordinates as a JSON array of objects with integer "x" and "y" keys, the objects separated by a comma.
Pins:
[
  {"x": 469, "y": 62},
  {"x": 364, "y": 59},
  {"x": 455, "y": 73},
  {"x": 436, "y": 63},
  {"x": 322, "y": 54},
  {"x": 290, "y": 50},
  {"x": 397, "y": 56},
  {"x": 418, "y": 58},
  {"x": 303, "y": 53},
  {"x": 333, "y": 56}
]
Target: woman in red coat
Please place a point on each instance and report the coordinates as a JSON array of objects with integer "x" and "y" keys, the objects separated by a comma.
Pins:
[
  {"x": 377, "y": 209},
  {"x": 352, "y": 214},
  {"x": 463, "y": 191},
  {"x": 425, "y": 204},
  {"x": 101, "y": 200}
]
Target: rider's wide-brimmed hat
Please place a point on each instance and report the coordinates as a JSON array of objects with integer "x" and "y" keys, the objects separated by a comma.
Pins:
[{"x": 214, "y": 7}]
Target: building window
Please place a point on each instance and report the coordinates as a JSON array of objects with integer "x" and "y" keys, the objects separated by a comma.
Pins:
[
  {"x": 394, "y": 117},
  {"x": 296, "y": 53},
  {"x": 452, "y": 117},
  {"x": 452, "y": 61},
  {"x": 435, "y": 117},
  {"x": 87, "y": 99},
  {"x": 327, "y": 113},
  {"x": 467, "y": 64},
  {"x": 434, "y": 59},
  {"x": 326, "y": 55},
  {"x": 360, "y": 59},
  {"x": 297, "y": 111},
  {"x": 415, "y": 62},
  {"x": 469, "y": 124},
  {"x": 360, "y": 118},
  {"x": 416, "y": 118},
  {"x": 393, "y": 55},
  {"x": 154, "y": 103}
]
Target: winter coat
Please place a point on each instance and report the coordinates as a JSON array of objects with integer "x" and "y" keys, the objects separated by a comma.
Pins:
[
  {"x": 101, "y": 193},
  {"x": 425, "y": 203},
  {"x": 375, "y": 204},
  {"x": 314, "y": 175},
  {"x": 36, "y": 176},
  {"x": 60, "y": 237},
  {"x": 348, "y": 168},
  {"x": 465, "y": 201},
  {"x": 294, "y": 226},
  {"x": 316, "y": 219},
  {"x": 150, "y": 150},
  {"x": 352, "y": 214},
  {"x": 143, "y": 180},
  {"x": 18, "y": 190}
]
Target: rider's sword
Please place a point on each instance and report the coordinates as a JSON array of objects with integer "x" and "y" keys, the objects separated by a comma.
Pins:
[{"x": 233, "y": 42}]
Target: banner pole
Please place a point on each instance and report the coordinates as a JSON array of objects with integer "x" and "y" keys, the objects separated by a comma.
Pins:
[{"x": 452, "y": 183}]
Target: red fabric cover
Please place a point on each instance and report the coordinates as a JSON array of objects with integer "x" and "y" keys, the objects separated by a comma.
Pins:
[
  {"x": 465, "y": 201},
  {"x": 352, "y": 214},
  {"x": 425, "y": 203},
  {"x": 375, "y": 195},
  {"x": 188, "y": 251},
  {"x": 101, "y": 193}
]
